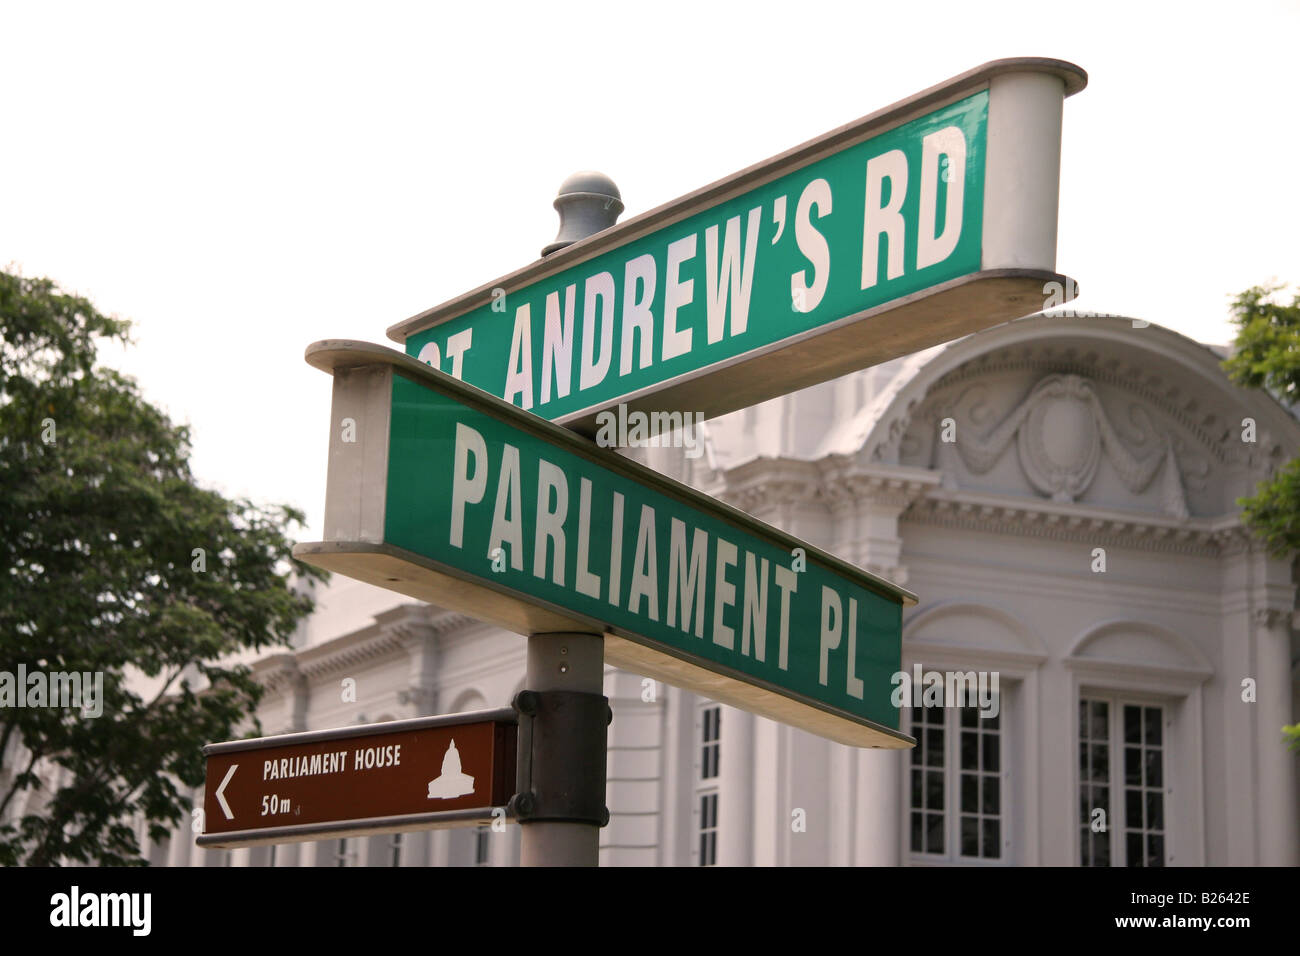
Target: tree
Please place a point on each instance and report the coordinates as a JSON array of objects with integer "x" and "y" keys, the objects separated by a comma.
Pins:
[
  {"x": 1266, "y": 354},
  {"x": 113, "y": 560}
]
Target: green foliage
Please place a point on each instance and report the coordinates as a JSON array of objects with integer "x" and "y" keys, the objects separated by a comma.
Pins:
[
  {"x": 1273, "y": 511},
  {"x": 1266, "y": 354},
  {"x": 1292, "y": 735},
  {"x": 97, "y": 533}
]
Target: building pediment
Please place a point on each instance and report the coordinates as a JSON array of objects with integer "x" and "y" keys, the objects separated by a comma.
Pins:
[{"x": 1079, "y": 417}]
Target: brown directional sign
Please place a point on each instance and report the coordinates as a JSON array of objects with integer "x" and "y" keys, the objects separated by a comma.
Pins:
[{"x": 418, "y": 774}]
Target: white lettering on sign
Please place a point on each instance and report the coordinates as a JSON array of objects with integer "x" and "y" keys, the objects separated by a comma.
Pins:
[
  {"x": 707, "y": 287},
  {"x": 519, "y": 376},
  {"x": 806, "y": 297},
  {"x": 883, "y": 220},
  {"x": 949, "y": 142},
  {"x": 638, "y": 293},
  {"x": 728, "y": 276},
  {"x": 371, "y": 758},
  {"x": 305, "y": 765},
  {"x": 457, "y": 346},
  {"x": 699, "y": 564},
  {"x": 678, "y": 292},
  {"x": 597, "y": 288},
  {"x": 557, "y": 344}
]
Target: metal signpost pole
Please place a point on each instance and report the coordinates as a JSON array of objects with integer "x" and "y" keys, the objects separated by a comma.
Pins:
[
  {"x": 561, "y": 800},
  {"x": 562, "y": 778}
]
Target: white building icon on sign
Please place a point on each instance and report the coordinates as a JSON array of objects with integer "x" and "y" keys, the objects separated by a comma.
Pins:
[{"x": 451, "y": 782}]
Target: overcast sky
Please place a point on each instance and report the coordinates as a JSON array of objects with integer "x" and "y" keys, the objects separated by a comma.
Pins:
[{"x": 244, "y": 179}]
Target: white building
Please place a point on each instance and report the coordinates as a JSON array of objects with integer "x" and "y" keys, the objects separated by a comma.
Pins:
[{"x": 1078, "y": 536}]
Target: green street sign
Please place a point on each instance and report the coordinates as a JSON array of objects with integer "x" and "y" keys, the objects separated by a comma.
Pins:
[
  {"x": 450, "y": 495},
  {"x": 927, "y": 220}
]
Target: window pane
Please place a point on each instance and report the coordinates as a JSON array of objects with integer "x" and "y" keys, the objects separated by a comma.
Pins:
[
  {"x": 934, "y": 833},
  {"x": 1133, "y": 848},
  {"x": 1101, "y": 799},
  {"x": 1100, "y": 762},
  {"x": 992, "y": 839},
  {"x": 969, "y": 717},
  {"x": 917, "y": 819},
  {"x": 1155, "y": 850},
  {"x": 1133, "y": 809},
  {"x": 1155, "y": 810},
  {"x": 992, "y": 792},
  {"x": 1133, "y": 766},
  {"x": 934, "y": 790},
  {"x": 969, "y": 750},
  {"x": 970, "y": 836},
  {"x": 1154, "y": 771},
  {"x": 1132, "y": 725},
  {"x": 934, "y": 748},
  {"x": 1152, "y": 717},
  {"x": 992, "y": 722},
  {"x": 916, "y": 789},
  {"x": 969, "y": 793},
  {"x": 1101, "y": 849},
  {"x": 991, "y": 752},
  {"x": 1099, "y": 726}
]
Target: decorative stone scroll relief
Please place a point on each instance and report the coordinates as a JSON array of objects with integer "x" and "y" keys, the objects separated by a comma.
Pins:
[{"x": 1061, "y": 431}]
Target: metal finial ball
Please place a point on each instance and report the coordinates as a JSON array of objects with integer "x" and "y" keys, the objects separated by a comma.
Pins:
[{"x": 587, "y": 203}]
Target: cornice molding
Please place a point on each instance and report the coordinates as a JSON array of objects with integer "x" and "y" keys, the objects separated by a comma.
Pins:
[
  {"x": 1040, "y": 518},
  {"x": 278, "y": 672},
  {"x": 834, "y": 482},
  {"x": 350, "y": 651}
]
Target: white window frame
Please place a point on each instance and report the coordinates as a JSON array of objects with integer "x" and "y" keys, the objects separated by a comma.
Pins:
[
  {"x": 705, "y": 788},
  {"x": 952, "y": 774},
  {"x": 1116, "y": 819},
  {"x": 1019, "y": 689},
  {"x": 1179, "y": 688}
]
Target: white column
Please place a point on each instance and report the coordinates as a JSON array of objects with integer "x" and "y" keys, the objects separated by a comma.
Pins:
[
  {"x": 182, "y": 845},
  {"x": 288, "y": 854},
  {"x": 771, "y": 821},
  {"x": 291, "y": 684},
  {"x": 879, "y": 803},
  {"x": 421, "y": 644},
  {"x": 1279, "y": 806},
  {"x": 417, "y": 848},
  {"x": 677, "y": 779},
  {"x": 841, "y": 792},
  {"x": 736, "y": 789}
]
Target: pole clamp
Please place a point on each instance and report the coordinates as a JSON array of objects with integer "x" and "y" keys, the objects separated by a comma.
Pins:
[{"x": 561, "y": 766}]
